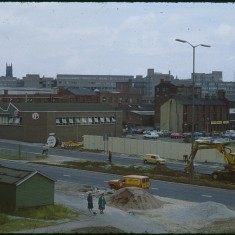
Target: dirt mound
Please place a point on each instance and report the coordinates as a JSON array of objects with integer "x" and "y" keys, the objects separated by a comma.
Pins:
[{"x": 134, "y": 198}]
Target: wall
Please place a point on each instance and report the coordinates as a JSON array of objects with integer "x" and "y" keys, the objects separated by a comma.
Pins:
[
  {"x": 168, "y": 150},
  {"x": 35, "y": 191}
]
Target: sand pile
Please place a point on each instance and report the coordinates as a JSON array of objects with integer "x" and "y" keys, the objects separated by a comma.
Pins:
[{"x": 133, "y": 198}]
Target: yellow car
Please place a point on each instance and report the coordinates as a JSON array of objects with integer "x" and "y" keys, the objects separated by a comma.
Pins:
[{"x": 154, "y": 159}]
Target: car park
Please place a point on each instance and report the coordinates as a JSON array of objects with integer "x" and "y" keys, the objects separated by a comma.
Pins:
[{"x": 153, "y": 159}]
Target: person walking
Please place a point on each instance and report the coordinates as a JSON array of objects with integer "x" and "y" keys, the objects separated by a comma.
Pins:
[
  {"x": 45, "y": 149},
  {"x": 90, "y": 202},
  {"x": 101, "y": 203},
  {"x": 110, "y": 157}
]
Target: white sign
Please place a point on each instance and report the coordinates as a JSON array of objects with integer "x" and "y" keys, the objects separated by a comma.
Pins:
[
  {"x": 51, "y": 141},
  {"x": 35, "y": 116}
]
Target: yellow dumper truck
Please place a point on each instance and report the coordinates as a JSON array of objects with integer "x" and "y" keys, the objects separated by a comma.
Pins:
[{"x": 130, "y": 181}]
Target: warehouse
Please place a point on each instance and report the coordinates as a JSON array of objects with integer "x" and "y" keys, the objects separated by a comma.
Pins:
[{"x": 33, "y": 122}]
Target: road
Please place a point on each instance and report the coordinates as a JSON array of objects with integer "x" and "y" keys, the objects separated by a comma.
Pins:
[
  {"x": 164, "y": 189},
  {"x": 205, "y": 168}
]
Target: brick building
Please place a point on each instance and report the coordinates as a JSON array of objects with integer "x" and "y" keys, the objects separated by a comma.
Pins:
[
  {"x": 33, "y": 122},
  {"x": 210, "y": 114}
]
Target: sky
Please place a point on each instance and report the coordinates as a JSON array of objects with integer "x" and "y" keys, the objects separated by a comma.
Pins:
[{"x": 111, "y": 38}]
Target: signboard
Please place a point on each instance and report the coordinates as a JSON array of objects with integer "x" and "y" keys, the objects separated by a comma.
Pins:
[
  {"x": 35, "y": 116},
  {"x": 219, "y": 122},
  {"x": 51, "y": 141}
]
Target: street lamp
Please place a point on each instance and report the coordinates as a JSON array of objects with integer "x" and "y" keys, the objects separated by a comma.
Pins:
[{"x": 193, "y": 106}]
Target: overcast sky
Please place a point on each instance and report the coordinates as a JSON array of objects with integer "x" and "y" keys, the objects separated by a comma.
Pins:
[{"x": 116, "y": 38}]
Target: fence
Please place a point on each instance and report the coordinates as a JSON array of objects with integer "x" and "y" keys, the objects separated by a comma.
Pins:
[
  {"x": 18, "y": 154},
  {"x": 139, "y": 147}
]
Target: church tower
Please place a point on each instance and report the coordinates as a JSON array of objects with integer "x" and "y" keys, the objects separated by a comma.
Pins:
[{"x": 9, "y": 72}]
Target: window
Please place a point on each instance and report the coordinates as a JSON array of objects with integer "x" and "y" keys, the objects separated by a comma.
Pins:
[
  {"x": 70, "y": 121},
  {"x": 57, "y": 121},
  {"x": 84, "y": 120},
  {"x": 17, "y": 121},
  {"x": 113, "y": 119},
  {"x": 96, "y": 120},
  {"x": 64, "y": 121},
  {"x": 10, "y": 121},
  {"x": 77, "y": 120},
  {"x": 89, "y": 120},
  {"x": 107, "y": 119},
  {"x": 101, "y": 120}
]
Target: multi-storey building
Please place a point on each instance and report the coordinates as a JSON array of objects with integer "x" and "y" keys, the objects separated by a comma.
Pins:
[
  {"x": 146, "y": 85},
  {"x": 34, "y": 80},
  {"x": 212, "y": 83},
  {"x": 92, "y": 82}
]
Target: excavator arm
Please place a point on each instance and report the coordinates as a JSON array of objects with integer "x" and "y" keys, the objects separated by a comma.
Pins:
[{"x": 229, "y": 157}]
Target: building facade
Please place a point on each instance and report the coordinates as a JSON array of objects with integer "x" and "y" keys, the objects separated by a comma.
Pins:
[
  {"x": 167, "y": 90},
  {"x": 92, "y": 82},
  {"x": 35, "y": 81},
  {"x": 33, "y": 122},
  {"x": 210, "y": 114}
]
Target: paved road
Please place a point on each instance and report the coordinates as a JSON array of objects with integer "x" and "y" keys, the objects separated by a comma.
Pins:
[
  {"x": 117, "y": 159},
  {"x": 164, "y": 189}
]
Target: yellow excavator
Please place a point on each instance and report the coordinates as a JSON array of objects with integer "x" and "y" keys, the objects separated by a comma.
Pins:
[{"x": 229, "y": 168}]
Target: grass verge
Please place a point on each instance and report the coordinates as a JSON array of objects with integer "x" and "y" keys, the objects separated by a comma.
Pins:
[
  {"x": 31, "y": 218},
  {"x": 27, "y": 158}
]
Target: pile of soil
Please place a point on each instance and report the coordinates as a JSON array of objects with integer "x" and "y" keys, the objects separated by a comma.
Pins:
[{"x": 133, "y": 198}]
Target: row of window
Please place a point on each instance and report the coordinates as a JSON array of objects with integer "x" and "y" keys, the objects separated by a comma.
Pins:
[
  {"x": 10, "y": 120},
  {"x": 84, "y": 120}
]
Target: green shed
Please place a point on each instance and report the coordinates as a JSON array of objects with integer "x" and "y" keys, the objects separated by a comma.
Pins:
[{"x": 22, "y": 188}]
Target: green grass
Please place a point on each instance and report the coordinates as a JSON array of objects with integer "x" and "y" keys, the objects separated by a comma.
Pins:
[
  {"x": 30, "y": 218},
  {"x": 51, "y": 212},
  {"x": 33, "y": 156},
  {"x": 14, "y": 225}
]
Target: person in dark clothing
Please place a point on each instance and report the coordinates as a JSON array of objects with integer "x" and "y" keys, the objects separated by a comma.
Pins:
[
  {"x": 101, "y": 203},
  {"x": 90, "y": 202},
  {"x": 110, "y": 157}
]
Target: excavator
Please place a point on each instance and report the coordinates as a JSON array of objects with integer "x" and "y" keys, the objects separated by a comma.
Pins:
[{"x": 228, "y": 173}]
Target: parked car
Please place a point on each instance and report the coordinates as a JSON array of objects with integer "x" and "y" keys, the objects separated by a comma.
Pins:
[
  {"x": 151, "y": 135},
  {"x": 222, "y": 140},
  {"x": 228, "y": 135},
  {"x": 205, "y": 140},
  {"x": 153, "y": 158},
  {"x": 164, "y": 133},
  {"x": 176, "y": 136},
  {"x": 139, "y": 131}
]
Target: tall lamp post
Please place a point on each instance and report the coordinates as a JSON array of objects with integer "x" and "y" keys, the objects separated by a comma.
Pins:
[{"x": 193, "y": 105}]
